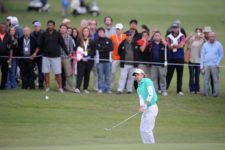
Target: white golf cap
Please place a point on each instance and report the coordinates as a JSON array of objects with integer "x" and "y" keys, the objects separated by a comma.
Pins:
[
  {"x": 207, "y": 29},
  {"x": 66, "y": 20},
  {"x": 119, "y": 26},
  {"x": 14, "y": 21},
  {"x": 37, "y": 24},
  {"x": 9, "y": 18},
  {"x": 177, "y": 22},
  {"x": 138, "y": 71}
]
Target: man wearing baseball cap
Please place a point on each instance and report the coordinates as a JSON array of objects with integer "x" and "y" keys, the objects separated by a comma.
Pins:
[
  {"x": 8, "y": 22},
  {"x": 38, "y": 61},
  {"x": 170, "y": 29},
  {"x": 148, "y": 106},
  {"x": 176, "y": 42},
  {"x": 116, "y": 40},
  {"x": 128, "y": 51},
  {"x": 206, "y": 31}
]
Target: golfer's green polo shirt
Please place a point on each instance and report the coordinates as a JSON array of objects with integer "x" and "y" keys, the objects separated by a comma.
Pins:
[{"x": 144, "y": 93}]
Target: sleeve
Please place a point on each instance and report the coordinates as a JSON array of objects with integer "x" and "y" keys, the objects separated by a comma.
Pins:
[
  {"x": 40, "y": 41},
  {"x": 168, "y": 41},
  {"x": 62, "y": 43},
  {"x": 202, "y": 57},
  {"x": 74, "y": 45},
  {"x": 71, "y": 45},
  {"x": 220, "y": 54},
  {"x": 20, "y": 45},
  {"x": 110, "y": 56},
  {"x": 141, "y": 100},
  {"x": 120, "y": 48},
  {"x": 79, "y": 53},
  {"x": 15, "y": 47},
  {"x": 111, "y": 38},
  {"x": 93, "y": 51},
  {"x": 183, "y": 40},
  {"x": 150, "y": 93},
  {"x": 10, "y": 44},
  {"x": 110, "y": 45},
  {"x": 189, "y": 42}
]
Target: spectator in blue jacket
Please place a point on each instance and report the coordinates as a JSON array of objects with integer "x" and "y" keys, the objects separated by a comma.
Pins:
[
  {"x": 211, "y": 57},
  {"x": 158, "y": 70}
]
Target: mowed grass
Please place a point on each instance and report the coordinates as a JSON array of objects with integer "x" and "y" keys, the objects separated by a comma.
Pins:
[{"x": 71, "y": 121}]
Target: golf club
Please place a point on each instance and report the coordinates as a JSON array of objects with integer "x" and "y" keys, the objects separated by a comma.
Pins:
[{"x": 120, "y": 123}]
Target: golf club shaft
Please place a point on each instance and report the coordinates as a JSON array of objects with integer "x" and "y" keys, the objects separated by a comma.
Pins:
[{"x": 122, "y": 122}]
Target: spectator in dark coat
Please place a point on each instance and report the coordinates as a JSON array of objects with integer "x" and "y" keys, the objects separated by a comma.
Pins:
[
  {"x": 6, "y": 52},
  {"x": 26, "y": 47}
]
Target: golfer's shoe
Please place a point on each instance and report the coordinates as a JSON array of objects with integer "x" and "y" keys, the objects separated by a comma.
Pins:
[
  {"x": 86, "y": 91},
  {"x": 100, "y": 91},
  {"x": 118, "y": 92},
  {"x": 181, "y": 93},
  {"x": 164, "y": 94},
  {"x": 60, "y": 90},
  {"x": 77, "y": 91},
  {"x": 47, "y": 89}
]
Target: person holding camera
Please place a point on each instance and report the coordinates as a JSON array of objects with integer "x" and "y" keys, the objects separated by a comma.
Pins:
[{"x": 85, "y": 57}]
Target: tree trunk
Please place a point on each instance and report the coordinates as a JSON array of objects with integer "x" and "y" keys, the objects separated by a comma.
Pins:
[{"x": 2, "y": 7}]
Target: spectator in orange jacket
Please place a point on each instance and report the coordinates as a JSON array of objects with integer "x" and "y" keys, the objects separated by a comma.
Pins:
[{"x": 116, "y": 40}]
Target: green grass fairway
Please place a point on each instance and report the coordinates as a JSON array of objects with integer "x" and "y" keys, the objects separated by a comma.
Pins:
[
  {"x": 71, "y": 121},
  {"x": 27, "y": 120}
]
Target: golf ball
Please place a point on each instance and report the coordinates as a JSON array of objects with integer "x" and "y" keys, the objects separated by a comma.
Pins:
[{"x": 46, "y": 97}]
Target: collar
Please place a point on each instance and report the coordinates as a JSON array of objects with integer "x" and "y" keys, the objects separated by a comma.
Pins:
[
  {"x": 2, "y": 36},
  {"x": 160, "y": 42},
  {"x": 27, "y": 38},
  {"x": 179, "y": 34},
  {"x": 109, "y": 28},
  {"x": 141, "y": 82},
  {"x": 52, "y": 31}
]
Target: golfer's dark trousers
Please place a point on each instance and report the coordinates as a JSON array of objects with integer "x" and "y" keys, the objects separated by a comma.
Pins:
[
  {"x": 38, "y": 62},
  {"x": 211, "y": 82},
  {"x": 63, "y": 78},
  {"x": 179, "y": 69},
  {"x": 27, "y": 73},
  {"x": 4, "y": 70},
  {"x": 83, "y": 72}
]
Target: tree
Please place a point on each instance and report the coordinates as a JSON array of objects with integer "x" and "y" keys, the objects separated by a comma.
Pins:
[{"x": 2, "y": 7}]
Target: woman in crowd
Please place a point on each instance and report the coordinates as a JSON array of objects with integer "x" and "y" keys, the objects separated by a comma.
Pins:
[
  {"x": 76, "y": 40},
  {"x": 85, "y": 55},
  {"x": 11, "y": 81},
  {"x": 193, "y": 56}
]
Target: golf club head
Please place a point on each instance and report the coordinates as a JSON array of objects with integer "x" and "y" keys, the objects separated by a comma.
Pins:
[{"x": 107, "y": 129}]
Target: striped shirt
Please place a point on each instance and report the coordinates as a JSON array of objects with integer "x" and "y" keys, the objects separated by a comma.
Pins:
[{"x": 69, "y": 44}]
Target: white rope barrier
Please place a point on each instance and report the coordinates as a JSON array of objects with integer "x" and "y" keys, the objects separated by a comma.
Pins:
[
  {"x": 21, "y": 57},
  {"x": 125, "y": 61}
]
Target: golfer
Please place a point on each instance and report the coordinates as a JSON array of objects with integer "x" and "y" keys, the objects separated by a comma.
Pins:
[{"x": 148, "y": 106}]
